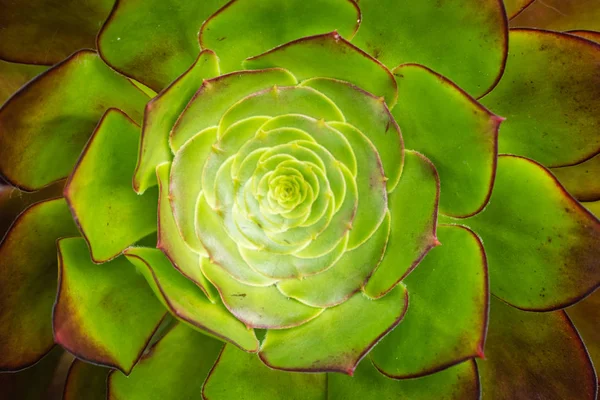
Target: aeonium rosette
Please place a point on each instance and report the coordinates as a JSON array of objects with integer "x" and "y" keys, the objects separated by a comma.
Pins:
[{"x": 332, "y": 198}]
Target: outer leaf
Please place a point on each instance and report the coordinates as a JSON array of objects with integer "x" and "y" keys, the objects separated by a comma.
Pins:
[
  {"x": 594, "y": 207},
  {"x": 161, "y": 114},
  {"x": 339, "y": 338},
  {"x": 515, "y": 7},
  {"x": 28, "y": 282},
  {"x": 258, "y": 307},
  {"x": 96, "y": 304},
  {"x": 589, "y": 35},
  {"x": 171, "y": 242},
  {"x": 85, "y": 381},
  {"x": 187, "y": 302},
  {"x": 560, "y": 15},
  {"x": 586, "y": 317},
  {"x": 371, "y": 116},
  {"x": 44, "y": 127},
  {"x": 216, "y": 95},
  {"x": 245, "y": 28},
  {"x": 581, "y": 180},
  {"x": 330, "y": 56},
  {"x": 551, "y": 260},
  {"x": 447, "y": 319},
  {"x": 556, "y": 365},
  {"x": 413, "y": 224},
  {"x": 174, "y": 368},
  {"x": 455, "y": 132},
  {"x": 44, "y": 33},
  {"x": 402, "y": 32},
  {"x": 253, "y": 380},
  {"x": 110, "y": 214},
  {"x": 38, "y": 381},
  {"x": 13, "y": 76},
  {"x": 460, "y": 382},
  {"x": 543, "y": 66},
  {"x": 158, "y": 49}
]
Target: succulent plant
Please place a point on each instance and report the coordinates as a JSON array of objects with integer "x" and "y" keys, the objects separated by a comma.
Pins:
[{"x": 262, "y": 199}]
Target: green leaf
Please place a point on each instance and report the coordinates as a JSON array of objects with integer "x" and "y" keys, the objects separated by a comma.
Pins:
[
  {"x": 216, "y": 95},
  {"x": 465, "y": 41},
  {"x": 542, "y": 245},
  {"x": 560, "y": 15},
  {"x": 38, "y": 381},
  {"x": 185, "y": 183},
  {"x": 13, "y": 76},
  {"x": 585, "y": 316},
  {"x": 542, "y": 67},
  {"x": 460, "y": 382},
  {"x": 174, "y": 368},
  {"x": 456, "y": 133},
  {"x": 581, "y": 180},
  {"x": 346, "y": 277},
  {"x": 85, "y": 381},
  {"x": 44, "y": 33},
  {"x": 371, "y": 116},
  {"x": 448, "y": 300},
  {"x": 339, "y": 338},
  {"x": 413, "y": 208},
  {"x": 245, "y": 28},
  {"x": 534, "y": 355},
  {"x": 330, "y": 56},
  {"x": 28, "y": 282},
  {"x": 170, "y": 241},
  {"x": 187, "y": 302},
  {"x": 154, "y": 41},
  {"x": 44, "y": 127},
  {"x": 110, "y": 214},
  {"x": 254, "y": 380},
  {"x": 95, "y": 304},
  {"x": 258, "y": 307},
  {"x": 162, "y": 113},
  {"x": 594, "y": 207}
]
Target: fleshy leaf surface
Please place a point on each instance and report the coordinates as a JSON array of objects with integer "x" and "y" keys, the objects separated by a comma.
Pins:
[
  {"x": 541, "y": 66},
  {"x": 85, "y": 381},
  {"x": 560, "y": 15},
  {"x": 557, "y": 365},
  {"x": 187, "y": 302},
  {"x": 110, "y": 214},
  {"x": 395, "y": 33},
  {"x": 371, "y": 116},
  {"x": 258, "y": 307},
  {"x": 140, "y": 42},
  {"x": 171, "y": 242},
  {"x": 330, "y": 56},
  {"x": 589, "y": 35},
  {"x": 447, "y": 318},
  {"x": 161, "y": 114},
  {"x": 586, "y": 318},
  {"x": 28, "y": 282},
  {"x": 454, "y": 131},
  {"x": 44, "y": 127},
  {"x": 581, "y": 180},
  {"x": 460, "y": 382},
  {"x": 245, "y": 28},
  {"x": 413, "y": 224},
  {"x": 96, "y": 303},
  {"x": 254, "y": 380},
  {"x": 515, "y": 7},
  {"x": 44, "y": 33},
  {"x": 216, "y": 95},
  {"x": 14, "y": 75},
  {"x": 339, "y": 338},
  {"x": 551, "y": 260},
  {"x": 174, "y": 368}
]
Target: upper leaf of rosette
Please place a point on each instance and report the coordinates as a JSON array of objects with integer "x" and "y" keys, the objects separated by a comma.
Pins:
[
  {"x": 330, "y": 56},
  {"x": 244, "y": 28}
]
